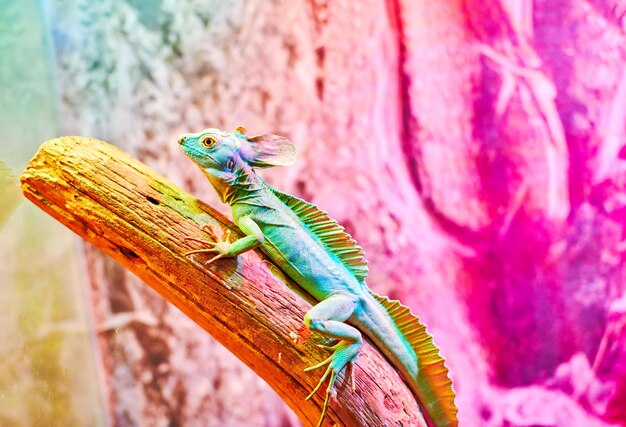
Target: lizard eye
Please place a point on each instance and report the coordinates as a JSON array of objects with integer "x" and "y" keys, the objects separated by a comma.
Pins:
[
  {"x": 208, "y": 141},
  {"x": 230, "y": 164}
]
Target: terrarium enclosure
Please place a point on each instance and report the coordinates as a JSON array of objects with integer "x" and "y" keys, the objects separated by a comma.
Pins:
[{"x": 475, "y": 150}]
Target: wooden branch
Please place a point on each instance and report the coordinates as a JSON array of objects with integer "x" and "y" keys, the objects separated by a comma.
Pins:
[{"x": 145, "y": 222}]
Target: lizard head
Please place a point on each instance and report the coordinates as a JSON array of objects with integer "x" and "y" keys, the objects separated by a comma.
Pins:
[{"x": 225, "y": 156}]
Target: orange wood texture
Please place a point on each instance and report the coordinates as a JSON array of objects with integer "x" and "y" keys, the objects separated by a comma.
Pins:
[{"x": 145, "y": 222}]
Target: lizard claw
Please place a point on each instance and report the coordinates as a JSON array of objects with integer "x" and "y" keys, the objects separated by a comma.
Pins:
[
  {"x": 321, "y": 381},
  {"x": 328, "y": 347},
  {"x": 210, "y": 230},
  {"x": 215, "y": 258},
  {"x": 219, "y": 245},
  {"x": 330, "y": 390},
  {"x": 351, "y": 375},
  {"x": 344, "y": 353}
]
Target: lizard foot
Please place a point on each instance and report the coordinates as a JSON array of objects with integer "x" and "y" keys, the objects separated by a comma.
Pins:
[
  {"x": 219, "y": 245},
  {"x": 344, "y": 353}
]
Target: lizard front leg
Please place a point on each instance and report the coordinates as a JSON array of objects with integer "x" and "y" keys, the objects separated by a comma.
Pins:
[
  {"x": 254, "y": 237},
  {"x": 327, "y": 318}
]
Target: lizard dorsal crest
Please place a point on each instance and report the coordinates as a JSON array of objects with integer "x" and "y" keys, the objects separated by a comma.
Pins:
[
  {"x": 434, "y": 386},
  {"x": 269, "y": 150},
  {"x": 240, "y": 131},
  {"x": 332, "y": 235}
]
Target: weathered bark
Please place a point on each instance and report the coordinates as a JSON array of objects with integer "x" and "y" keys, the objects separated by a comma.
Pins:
[{"x": 146, "y": 223}]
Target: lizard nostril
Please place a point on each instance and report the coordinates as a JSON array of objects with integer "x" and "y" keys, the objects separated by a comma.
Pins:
[{"x": 181, "y": 139}]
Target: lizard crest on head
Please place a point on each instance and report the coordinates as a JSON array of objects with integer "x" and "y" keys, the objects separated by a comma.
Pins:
[
  {"x": 214, "y": 149},
  {"x": 228, "y": 158}
]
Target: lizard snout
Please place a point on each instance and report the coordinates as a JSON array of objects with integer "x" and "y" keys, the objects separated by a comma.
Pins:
[{"x": 182, "y": 139}]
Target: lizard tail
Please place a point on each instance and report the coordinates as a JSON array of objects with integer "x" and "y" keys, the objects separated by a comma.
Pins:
[{"x": 431, "y": 385}]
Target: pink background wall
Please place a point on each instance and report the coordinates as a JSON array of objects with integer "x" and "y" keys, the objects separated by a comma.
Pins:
[{"x": 474, "y": 149}]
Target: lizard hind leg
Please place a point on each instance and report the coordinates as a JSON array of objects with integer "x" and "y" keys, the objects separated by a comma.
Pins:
[{"x": 327, "y": 318}]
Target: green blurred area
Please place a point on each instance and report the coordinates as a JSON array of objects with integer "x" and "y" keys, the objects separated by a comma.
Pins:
[{"x": 48, "y": 373}]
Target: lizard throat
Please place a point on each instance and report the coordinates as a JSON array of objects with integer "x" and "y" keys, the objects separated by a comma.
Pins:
[{"x": 244, "y": 188}]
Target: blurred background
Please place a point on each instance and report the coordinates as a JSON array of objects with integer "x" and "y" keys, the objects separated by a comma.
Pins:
[{"x": 474, "y": 149}]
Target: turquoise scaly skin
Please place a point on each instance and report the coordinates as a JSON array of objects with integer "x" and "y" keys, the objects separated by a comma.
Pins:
[{"x": 270, "y": 220}]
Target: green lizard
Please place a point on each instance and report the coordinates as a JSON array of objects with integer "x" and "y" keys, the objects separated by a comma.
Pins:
[{"x": 321, "y": 257}]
